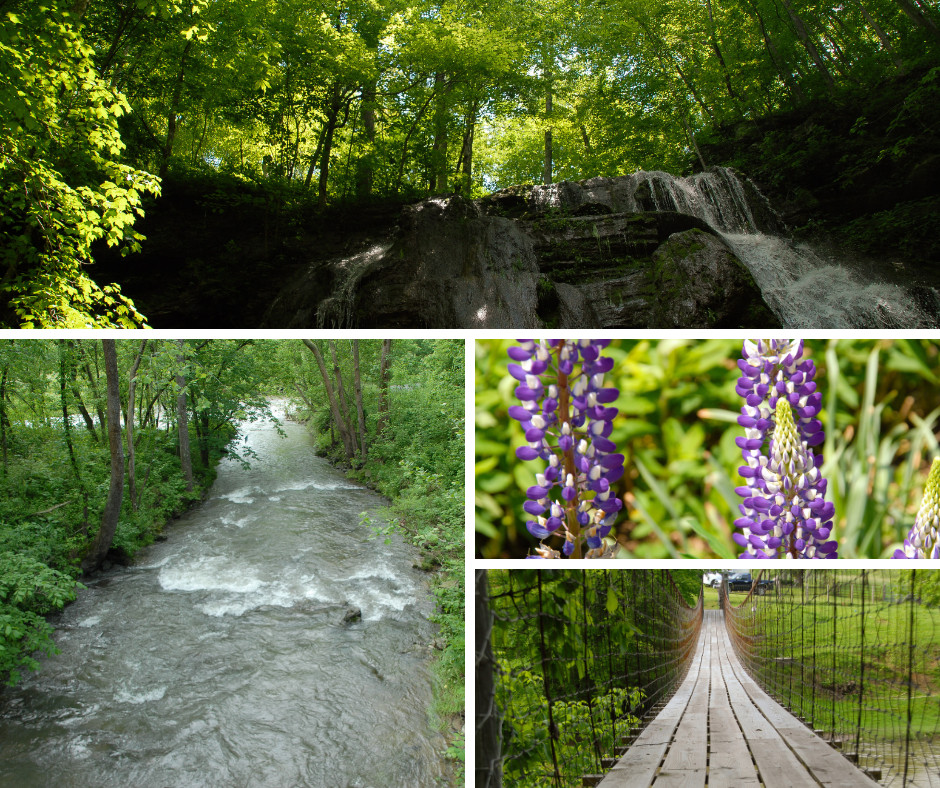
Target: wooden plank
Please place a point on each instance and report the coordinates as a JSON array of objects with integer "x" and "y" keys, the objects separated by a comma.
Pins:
[
  {"x": 637, "y": 768},
  {"x": 730, "y": 765},
  {"x": 778, "y": 767},
  {"x": 681, "y": 778},
  {"x": 818, "y": 758}
]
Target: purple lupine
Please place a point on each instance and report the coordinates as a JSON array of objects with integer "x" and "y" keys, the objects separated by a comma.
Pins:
[
  {"x": 567, "y": 420},
  {"x": 922, "y": 541},
  {"x": 784, "y": 512}
]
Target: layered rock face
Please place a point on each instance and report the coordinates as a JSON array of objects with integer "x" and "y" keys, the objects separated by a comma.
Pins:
[{"x": 637, "y": 251}]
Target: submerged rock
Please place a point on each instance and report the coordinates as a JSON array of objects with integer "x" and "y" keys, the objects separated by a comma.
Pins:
[
  {"x": 352, "y": 614},
  {"x": 601, "y": 253}
]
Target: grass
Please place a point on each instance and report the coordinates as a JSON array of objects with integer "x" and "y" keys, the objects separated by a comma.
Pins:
[{"x": 837, "y": 658}]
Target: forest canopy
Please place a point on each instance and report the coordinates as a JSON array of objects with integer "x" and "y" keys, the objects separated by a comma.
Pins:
[{"x": 387, "y": 99}]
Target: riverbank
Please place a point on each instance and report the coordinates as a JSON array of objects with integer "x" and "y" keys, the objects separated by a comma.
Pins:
[
  {"x": 50, "y": 510},
  {"x": 427, "y": 510}
]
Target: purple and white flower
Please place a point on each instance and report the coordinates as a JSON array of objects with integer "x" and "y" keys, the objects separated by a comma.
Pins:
[
  {"x": 567, "y": 418},
  {"x": 784, "y": 512}
]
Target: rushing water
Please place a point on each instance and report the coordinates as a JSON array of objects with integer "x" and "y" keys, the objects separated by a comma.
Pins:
[{"x": 221, "y": 657}]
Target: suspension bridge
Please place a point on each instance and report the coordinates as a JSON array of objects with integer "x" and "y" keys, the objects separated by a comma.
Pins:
[
  {"x": 723, "y": 730},
  {"x": 610, "y": 678}
]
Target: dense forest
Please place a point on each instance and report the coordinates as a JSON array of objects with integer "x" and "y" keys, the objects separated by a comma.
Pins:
[
  {"x": 275, "y": 112},
  {"x": 102, "y": 443}
]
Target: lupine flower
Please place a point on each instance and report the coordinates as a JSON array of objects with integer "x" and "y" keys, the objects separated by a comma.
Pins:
[
  {"x": 567, "y": 419},
  {"x": 784, "y": 514},
  {"x": 922, "y": 541}
]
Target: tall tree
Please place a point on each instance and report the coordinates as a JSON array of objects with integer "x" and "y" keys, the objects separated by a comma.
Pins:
[
  {"x": 63, "y": 185},
  {"x": 129, "y": 423},
  {"x": 384, "y": 369},
  {"x": 182, "y": 417},
  {"x": 360, "y": 415},
  {"x": 112, "y": 510},
  {"x": 338, "y": 420}
]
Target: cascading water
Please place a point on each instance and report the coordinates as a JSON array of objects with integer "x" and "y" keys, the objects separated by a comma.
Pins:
[
  {"x": 802, "y": 288},
  {"x": 221, "y": 658},
  {"x": 336, "y": 311}
]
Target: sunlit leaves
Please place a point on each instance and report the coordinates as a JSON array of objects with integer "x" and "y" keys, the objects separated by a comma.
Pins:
[{"x": 59, "y": 136}]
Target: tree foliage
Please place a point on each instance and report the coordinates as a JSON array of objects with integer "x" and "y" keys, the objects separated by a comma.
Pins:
[
  {"x": 63, "y": 184},
  {"x": 368, "y": 99},
  {"x": 61, "y": 459}
]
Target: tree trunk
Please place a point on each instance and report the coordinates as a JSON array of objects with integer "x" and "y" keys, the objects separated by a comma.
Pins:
[
  {"x": 547, "y": 160},
  {"x": 785, "y": 76},
  {"x": 328, "y": 133},
  {"x": 334, "y": 408},
  {"x": 92, "y": 378},
  {"x": 404, "y": 147},
  {"x": 465, "y": 163},
  {"x": 86, "y": 416},
  {"x": 182, "y": 422},
  {"x": 808, "y": 44},
  {"x": 365, "y": 166},
  {"x": 112, "y": 510},
  {"x": 360, "y": 414},
  {"x": 588, "y": 147},
  {"x": 333, "y": 123},
  {"x": 691, "y": 136},
  {"x": 67, "y": 428},
  {"x": 341, "y": 393},
  {"x": 713, "y": 34},
  {"x": 203, "y": 428},
  {"x": 315, "y": 158},
  {"x": 129, "y": 424},
  {"x": 439, "y": 147},
  {"x": 4, "y": 418},
  {"x": 174, "y": 109},
  {"x": 920, "y": 18},
  {"x": 882, "y": 36},
  {"x": 383, "y": 386},
  {"x": 695, "y": 94}
]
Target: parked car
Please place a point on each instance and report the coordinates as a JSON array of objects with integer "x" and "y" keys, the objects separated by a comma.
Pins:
[
  {"x": 740, "y": 581},
  {"x": 712, "y": 579}
]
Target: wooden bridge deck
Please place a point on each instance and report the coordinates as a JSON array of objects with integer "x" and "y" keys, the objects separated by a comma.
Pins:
[{"x": 722, "y": 730}]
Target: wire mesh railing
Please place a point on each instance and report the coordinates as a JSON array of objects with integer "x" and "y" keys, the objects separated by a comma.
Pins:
[
  {"x": 855, "y": 654},
  {"x": 568, "y": 662}
]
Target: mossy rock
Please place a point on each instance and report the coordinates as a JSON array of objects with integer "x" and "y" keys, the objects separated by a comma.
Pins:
[{"x": 699, "y": 283}]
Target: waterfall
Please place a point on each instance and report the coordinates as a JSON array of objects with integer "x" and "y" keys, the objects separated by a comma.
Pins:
[
  {"x": 337, "y": 310},
  {"x": 804, "y": 287}
]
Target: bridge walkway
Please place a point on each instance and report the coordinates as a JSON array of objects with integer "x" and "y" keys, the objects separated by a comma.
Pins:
[{"x": 721, "y": 730}]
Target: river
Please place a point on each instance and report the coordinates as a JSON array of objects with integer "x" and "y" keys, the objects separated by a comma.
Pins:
[{"x": 221, "y": 658}]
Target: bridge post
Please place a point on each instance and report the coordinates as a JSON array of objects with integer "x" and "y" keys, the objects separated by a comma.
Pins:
[{"x": 489, "y": 770}]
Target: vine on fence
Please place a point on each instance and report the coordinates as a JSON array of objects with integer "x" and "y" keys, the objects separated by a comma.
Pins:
[{"x": 567, "y": 664}]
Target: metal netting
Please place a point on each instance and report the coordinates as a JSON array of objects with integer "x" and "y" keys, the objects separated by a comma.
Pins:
[
  {"x": 568, "y": 662},
  {"x": 856, "y": 655}
]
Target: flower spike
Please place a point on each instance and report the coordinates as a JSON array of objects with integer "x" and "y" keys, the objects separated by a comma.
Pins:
[
  {"x": 922, "y": 541},
  {"x": 566, "y": 415},
  {"x": 784, "y": 514}
]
